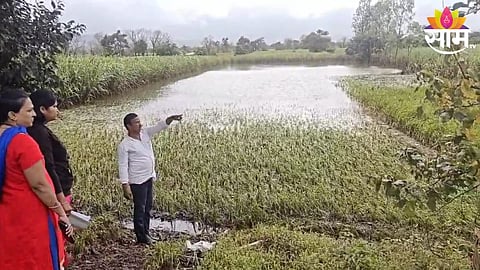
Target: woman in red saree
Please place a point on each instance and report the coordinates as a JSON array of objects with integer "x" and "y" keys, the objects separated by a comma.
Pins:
[{"x": 30, "y": 237}]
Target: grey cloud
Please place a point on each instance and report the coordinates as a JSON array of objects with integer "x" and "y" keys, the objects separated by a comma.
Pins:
[
  {"x": 108, "y": 16},
  {"x": 273, "y": 24}
]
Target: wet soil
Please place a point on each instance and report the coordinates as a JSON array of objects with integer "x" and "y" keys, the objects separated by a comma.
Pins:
[{"x": 125, "y": 253}]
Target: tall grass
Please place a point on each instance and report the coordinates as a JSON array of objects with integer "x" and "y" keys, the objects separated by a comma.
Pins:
[
  {"x": 398, "y": 105},
  {"x": 88, "y": 77}
]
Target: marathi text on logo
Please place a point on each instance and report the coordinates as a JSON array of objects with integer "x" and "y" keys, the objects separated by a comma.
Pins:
[{"x": 447, "y": 37}]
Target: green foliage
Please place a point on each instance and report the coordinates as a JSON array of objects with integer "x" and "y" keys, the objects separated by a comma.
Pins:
[
  {"x": 243, "y": 46},
  {"x": 382, "y": 28},
  {"x": 437, "y": 179},
  {"x": 455, "y": 90},
  {"x": 140, "y": 47},
  {"x": 103, "y": 230},
  {"x": 318, "y": 41},
  {"x": 246, "y": 46},
  {"x": 165, "y": 255},
  {"x": 210, "y": 46},
  {"x": 114, "y": 44},
  {"x": 307, "y": 173},
  {"x": 167, "y": 48},
  {"x": 30, "y": 37},
  {"x": 470, "y": 7},
  {"x": 399, "y": 105},
  {"x": 87, "y": 78},
  {"x": 274, "y": 247}
]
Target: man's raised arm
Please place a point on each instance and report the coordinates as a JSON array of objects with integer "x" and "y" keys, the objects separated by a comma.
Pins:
[{"x": 162, "y": 124}]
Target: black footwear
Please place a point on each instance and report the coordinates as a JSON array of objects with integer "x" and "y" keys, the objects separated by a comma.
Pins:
[{"x": 146, "y": 241}]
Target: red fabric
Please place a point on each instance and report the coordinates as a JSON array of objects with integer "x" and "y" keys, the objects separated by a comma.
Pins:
[
  {"x": 24, "y": 238},
  {"x": 65, "y": 241}
]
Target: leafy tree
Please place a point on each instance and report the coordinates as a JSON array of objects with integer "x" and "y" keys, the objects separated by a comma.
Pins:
[
  {"x": 155, "y": 39},
  {"x": 288, "y": 44},
  {"x": 466, "y": 7},
  {"x": 454, "y": 87},
  {"x": 139, "y": 39},
  {"x": 380, "y": 28},
  {"x": 362, "y": 18},
  {"x": 76, "y": 46},
  {"x": 140, "y": 47},
  {"x": 318, "y": 41},
  {"x": 186, "y": 49},
  {"x": 278, "y": 46},
  {"x": 403, "y": 16},
  {"x": 30, "y": 37},
  {"x": 343, "y": 42},
  {"x": 167, "y": 48},
  {"x": 362, "y": 42},
  {"x": 114, "y": 44},
  {"x": 259, "y": 45},
  {"x": 225, "y": 46},
  {"x": 415, "y": 37},
  {"x": 94, "y": 46},
  {"x": 474, "y": 37},
  {"x": 243, "y": 46},
  {"x": 210, "y": 45}
]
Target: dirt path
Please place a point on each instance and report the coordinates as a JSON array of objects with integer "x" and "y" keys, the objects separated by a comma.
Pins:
[{"x": 407, "y": 140}]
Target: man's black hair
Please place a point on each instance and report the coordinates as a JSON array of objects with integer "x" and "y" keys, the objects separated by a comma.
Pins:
[{"x": 127, "y": 120}]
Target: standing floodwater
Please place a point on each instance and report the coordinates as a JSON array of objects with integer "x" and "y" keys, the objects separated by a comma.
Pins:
[
  {"x": 221, "y": 97},
  {"x": 286, "y": 92}
]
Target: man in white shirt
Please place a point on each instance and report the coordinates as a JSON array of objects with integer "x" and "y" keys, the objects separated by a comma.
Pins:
[{"x": 136, "y": 163}]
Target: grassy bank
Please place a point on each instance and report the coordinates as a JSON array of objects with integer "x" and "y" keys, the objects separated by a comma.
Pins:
[
  {"x": 89, "y": 77},
  {"x": 398, "y": 105},
  {"x": 274, "y": 247},
  {"x": 86, "y": 78}
]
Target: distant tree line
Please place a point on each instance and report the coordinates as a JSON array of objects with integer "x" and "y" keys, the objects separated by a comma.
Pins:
[
  {"x": 146, "y": 42},
  {"x": 130, "y": 42}
]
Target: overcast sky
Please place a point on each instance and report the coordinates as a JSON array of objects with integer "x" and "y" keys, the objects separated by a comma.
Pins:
[{"x": 189, "y": 21}]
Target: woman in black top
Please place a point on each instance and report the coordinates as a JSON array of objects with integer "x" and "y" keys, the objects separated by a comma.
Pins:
[{"x": 54, "y": 152}]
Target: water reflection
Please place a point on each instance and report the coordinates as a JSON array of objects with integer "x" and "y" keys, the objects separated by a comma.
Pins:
[
  {"x": 262, "y": 92},
  {"x": 219, "y": 98},
  {"x": 176, "y": 226}
]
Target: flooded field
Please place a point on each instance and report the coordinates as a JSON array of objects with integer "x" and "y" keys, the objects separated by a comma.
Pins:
[
  {"x": 220, "y": 97},
  {"x": 280, "y": 159}
]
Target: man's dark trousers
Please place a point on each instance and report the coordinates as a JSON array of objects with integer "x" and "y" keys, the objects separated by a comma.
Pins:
[{"x": 142, "y": 205}]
